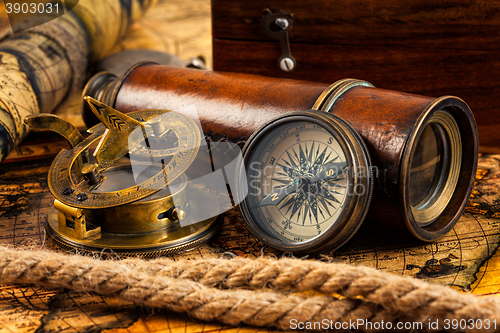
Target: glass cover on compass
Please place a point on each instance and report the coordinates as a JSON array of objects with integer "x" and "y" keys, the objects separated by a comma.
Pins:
[{"x": 306, "y": 173}]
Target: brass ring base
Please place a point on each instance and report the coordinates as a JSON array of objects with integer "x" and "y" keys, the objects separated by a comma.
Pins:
[{"x": 165, "y": 241}]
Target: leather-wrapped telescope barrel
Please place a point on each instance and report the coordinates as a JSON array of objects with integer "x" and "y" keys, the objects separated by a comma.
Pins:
[{"x": 423, "y": 149}]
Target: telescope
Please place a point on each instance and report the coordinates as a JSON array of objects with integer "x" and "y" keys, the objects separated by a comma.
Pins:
[{"x": 321, "y": 157}]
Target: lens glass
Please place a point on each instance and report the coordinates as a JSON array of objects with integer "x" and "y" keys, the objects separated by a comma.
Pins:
[
  {"x": 434, "y": 168},
  {"x": 426, "y": 172}
]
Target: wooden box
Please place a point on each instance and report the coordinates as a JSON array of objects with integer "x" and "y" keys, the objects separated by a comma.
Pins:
[{"x": 427, "y": 47}]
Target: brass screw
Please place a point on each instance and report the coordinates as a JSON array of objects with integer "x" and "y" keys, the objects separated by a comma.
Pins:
[
  {"x": 81, "y": 197},
  {"x": 178, "y": 214},
  {"x": 157, "y": 125},
  {"x": 89, "y": 172}
]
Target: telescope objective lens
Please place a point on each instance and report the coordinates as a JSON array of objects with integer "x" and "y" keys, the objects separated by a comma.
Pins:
[{"x": 434, "y": 168}]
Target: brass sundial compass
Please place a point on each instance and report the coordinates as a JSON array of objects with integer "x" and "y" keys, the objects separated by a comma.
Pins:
[{"x": 124, "y": 188}]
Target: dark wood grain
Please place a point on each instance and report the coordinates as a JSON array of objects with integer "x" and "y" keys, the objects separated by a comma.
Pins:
[
  {"x": 471, "y": 75},
  {"x": 419, "y": 46},
  {"x": 449, "y": 24}
]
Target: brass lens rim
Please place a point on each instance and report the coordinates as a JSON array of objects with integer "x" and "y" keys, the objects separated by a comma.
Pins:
[
  {"x": 429, "y": 209},
  {"x": 466, "y": 124}
]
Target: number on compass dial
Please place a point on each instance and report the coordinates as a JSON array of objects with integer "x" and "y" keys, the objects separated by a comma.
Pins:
[{"x": 297, "y": 181}]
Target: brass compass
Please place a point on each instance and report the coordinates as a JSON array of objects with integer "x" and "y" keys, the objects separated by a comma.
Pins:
[
  {"x": 306, "y": 182},
  {"x": 123, "y": 188}
]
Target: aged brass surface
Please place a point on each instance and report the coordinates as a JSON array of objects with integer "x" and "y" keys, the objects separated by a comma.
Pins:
[
  {"x": 117, "y": 135},
  {"x": 145, "y": 215},
  {"x": 50, "y": 122},
  {"x": 166, "y": 240},
  {"x": 123, "y": 188}
]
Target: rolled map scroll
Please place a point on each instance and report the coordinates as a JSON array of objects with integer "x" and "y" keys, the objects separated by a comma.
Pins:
[{"x": 42, "y": 65}]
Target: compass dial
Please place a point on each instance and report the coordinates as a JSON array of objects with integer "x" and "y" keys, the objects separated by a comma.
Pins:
[
  {"x": 293, "y": 190},
  {"x": 305, "y": 173}
]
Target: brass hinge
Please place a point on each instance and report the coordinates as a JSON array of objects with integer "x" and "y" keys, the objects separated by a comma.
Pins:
[{"x": 72, "y": 222}]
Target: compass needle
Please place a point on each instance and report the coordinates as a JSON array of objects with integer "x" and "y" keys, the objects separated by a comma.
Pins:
[
  {"x": 330, "y": 171},
  {"x": 276, "y": 196}
]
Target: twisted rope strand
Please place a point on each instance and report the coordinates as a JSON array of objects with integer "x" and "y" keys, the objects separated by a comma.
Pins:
[
  {"x": 190, "y": 286},
  {"x": 112, "y": 278},
  {"x": 399, "y": 295}
]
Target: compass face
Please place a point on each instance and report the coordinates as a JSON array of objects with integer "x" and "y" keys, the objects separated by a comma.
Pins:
[
  {"x": 306, "y": 182},
  {"x": 297, "y": 181}
]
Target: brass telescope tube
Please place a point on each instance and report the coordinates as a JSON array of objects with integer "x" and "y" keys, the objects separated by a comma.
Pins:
[{"x": 424, "y": 149}]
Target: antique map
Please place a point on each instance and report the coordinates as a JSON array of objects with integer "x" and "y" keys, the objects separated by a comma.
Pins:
[{"x": 466, "y": 259}]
